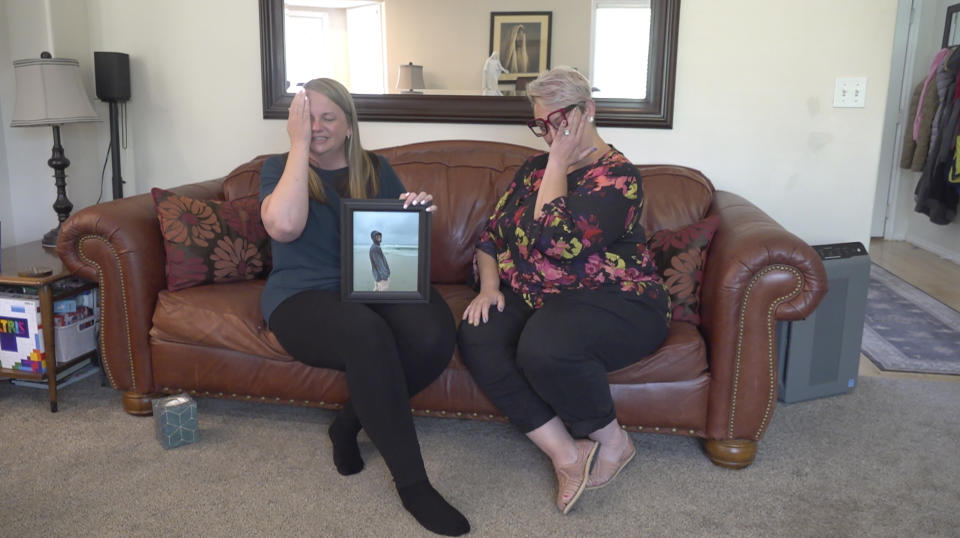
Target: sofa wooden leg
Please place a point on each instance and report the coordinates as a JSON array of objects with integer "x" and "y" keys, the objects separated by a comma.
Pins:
[
  {"x": 731, "y": 453},
  {"x": 137, "y": 404}
]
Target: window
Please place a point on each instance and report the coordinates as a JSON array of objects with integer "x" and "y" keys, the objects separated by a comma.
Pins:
[
  {"x": 366, "y": 48},
  {"x": 307, "y": 33},
  {"x": 621, "y": 25},
  {"x": 338, "y": 39}
]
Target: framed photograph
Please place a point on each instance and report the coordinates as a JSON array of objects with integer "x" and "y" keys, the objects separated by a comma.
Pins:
[
  {"x": 522, "y": 39},
  {"x": 384, "y": 252}
]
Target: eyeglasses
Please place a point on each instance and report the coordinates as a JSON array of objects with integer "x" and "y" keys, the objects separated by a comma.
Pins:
[{"x": 555, "y": 118}]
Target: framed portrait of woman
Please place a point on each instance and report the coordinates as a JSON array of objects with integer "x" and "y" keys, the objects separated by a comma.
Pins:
[
  {"x": 384, "y": 252},
  {"x": 522, "y": 39}
]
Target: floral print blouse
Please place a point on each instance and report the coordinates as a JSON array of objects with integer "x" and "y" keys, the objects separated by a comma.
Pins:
[{"x": 591, "y": 238}]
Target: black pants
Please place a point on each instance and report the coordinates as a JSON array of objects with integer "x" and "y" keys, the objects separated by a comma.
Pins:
[
  {"x": 537, "y": 364},
  {"x": 389, "y": 352}
]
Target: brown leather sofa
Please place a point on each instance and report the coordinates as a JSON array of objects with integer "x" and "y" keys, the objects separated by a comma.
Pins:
[{"x": 717, "y": 381}]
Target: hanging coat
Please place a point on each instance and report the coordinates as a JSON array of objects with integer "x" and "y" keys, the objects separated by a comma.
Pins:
[
  {"x": 914, "y": 154},
  {"x": 934, "y": 195}
]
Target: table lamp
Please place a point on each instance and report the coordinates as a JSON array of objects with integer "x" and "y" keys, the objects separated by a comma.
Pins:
[
  {"x": 410, "y": 78},
  {"x": 50, "y": 92}
]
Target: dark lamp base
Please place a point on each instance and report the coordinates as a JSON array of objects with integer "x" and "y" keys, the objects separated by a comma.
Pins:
[{"x": 50, "y": 238}]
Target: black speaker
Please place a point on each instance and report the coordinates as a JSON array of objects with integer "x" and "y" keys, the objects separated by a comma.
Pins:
[{"x": 113, "y": 76}]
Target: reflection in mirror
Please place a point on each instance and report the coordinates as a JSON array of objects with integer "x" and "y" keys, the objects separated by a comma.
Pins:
[
  {"x": 951, "y": 30},
  {"x": 350, "y": 34},
  {"x": 619, "y": 27},
  {"x": 626, "y": 47}
]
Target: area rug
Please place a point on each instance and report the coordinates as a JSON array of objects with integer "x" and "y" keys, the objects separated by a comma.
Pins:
[{"x": 906, "y": 330}]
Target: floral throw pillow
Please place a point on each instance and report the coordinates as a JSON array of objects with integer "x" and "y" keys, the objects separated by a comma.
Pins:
[
  {"x": 211, "y": 240},
  {"x": 680, "y": 256}
]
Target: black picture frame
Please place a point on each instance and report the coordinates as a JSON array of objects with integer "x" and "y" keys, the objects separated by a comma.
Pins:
[
  {"x": 537, "y": 27},
  {"x": 402, "y": 231}
]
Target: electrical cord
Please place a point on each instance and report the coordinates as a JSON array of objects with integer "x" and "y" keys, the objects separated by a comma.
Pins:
[{"x": 103, "y": 172}]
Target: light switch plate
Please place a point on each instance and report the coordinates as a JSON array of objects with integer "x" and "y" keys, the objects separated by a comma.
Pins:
[{"x": 851, "y": 92}]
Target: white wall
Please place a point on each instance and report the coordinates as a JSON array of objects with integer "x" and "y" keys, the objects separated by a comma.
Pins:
[
  {"x": 59, "y": 27},
  {"x": 916, "y": 227},
  {"x": 753, "y": 108},
  {"x": 6, "y": 88}
]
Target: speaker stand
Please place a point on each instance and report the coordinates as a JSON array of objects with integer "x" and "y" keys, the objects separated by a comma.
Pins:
[{"x": 115, "y": 151}]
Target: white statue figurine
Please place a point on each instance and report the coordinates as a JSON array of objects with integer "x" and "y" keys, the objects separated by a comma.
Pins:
[{"x": 491, "y": 74}]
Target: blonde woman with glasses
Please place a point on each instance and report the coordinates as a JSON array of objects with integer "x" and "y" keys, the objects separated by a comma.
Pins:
[{"x": 568, "y": 291}]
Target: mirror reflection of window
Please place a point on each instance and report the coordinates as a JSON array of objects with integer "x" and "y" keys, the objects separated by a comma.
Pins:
[
  {"x": 621, "y": 25},
  {"x": 339, "y": 39},
  {"x": 954, "y": 30},
  {"x": 306, "y": 31},
  {"x": 366, "y": 58}
]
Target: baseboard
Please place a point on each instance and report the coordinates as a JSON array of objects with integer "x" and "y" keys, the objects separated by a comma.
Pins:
[{"x": 944, "y": 253}]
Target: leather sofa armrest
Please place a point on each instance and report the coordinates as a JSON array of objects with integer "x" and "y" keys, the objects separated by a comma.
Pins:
[
  {"x": 118, "y": 244},
  {"x": 756, "y": 273}
]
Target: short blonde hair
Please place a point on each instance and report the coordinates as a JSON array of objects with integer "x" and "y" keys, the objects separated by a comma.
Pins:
[{"x": 560, "y": 86}]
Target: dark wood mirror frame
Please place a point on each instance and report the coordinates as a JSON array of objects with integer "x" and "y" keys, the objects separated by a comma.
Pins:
[{"x": 656, "y": 111}]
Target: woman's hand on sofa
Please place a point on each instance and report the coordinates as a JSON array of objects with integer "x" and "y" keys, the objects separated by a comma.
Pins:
[
  {"x": 418, "y": 198},
  {"x": 479, "y": 307}
]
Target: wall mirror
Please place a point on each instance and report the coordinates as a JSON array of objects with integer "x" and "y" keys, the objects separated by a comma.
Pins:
[{"x": 451, "y": 40}]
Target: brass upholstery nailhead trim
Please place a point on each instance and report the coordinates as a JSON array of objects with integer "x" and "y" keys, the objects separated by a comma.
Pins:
[
  {"x": 771, "y": 355},
  {"x": 103, "y": 308},
  {"x": 236, "y": 396},
  {"x": 639, "y": 429}
]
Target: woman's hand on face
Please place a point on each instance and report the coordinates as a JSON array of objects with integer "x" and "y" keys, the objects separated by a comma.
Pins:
[
  {"x": 298, "y": 120},
  {"x": 479, "y": 307},
  {"x": 571, "y": 148},
  {"x": 418, "y": 198}
]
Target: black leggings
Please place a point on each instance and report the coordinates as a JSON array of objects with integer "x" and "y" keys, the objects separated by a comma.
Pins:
[
  {"x": 389, "y": 352},
  {"x": 538, "y": 364}
]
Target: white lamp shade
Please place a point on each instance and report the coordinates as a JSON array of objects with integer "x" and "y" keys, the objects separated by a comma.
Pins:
[
  {"x": 410, "y": 77},
  {"x": 50, "y": 92}
]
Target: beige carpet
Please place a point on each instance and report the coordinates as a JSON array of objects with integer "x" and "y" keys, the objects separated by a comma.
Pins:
[{"x": 882, "y": 460}]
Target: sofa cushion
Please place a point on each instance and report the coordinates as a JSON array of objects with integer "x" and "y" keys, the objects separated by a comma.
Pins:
[
  {"x": 244, "y": 180},
  {"x": 217, "y": 315},
  {"x": 680, "y": 256},
  {"x": 211, "y": 240},
  {"x": 228, "y": 316},
  {"x": 682, "y": 356},
  {"x": 673, "y": 196}
]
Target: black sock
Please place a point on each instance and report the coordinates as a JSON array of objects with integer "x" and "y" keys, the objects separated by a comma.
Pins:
[
  {"x": 431, "y": 510},
  {"x": 346, "y": 452}
]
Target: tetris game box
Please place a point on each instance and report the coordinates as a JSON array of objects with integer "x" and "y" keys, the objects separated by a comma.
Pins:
[{"x": 21, "y": 335}]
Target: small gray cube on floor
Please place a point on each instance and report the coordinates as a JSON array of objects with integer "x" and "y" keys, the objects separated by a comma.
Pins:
[
  {"x": 820, "y": 356},
  {"x": 176, "y": 420}
]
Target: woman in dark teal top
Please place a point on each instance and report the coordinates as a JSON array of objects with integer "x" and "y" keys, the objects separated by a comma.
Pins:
[{"x": 389, "y": 352}]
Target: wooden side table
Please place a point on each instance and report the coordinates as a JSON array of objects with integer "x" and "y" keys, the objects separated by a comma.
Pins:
[{"x": 15, "y": 263}]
